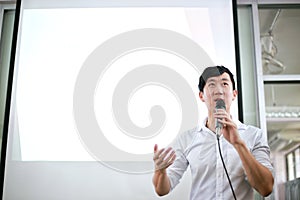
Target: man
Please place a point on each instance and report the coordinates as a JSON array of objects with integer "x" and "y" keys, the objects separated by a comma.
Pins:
[{"x": 244, "y": 150}]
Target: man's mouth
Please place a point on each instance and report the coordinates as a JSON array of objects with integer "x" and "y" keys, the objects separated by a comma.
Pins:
[{"x": 218, "y": 99}]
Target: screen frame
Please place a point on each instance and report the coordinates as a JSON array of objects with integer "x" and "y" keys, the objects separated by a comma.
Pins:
[{"x": 108, "y": 4}]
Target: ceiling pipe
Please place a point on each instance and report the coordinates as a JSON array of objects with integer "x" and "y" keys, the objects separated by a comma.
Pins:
[{"x": 274, "y": 21}]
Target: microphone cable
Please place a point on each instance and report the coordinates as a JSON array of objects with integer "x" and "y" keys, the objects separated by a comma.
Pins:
[{"x": 232, "y": 190}]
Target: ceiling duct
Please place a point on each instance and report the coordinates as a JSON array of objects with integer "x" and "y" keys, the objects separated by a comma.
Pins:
[
  {"x": 269, "y": 50},
  {"x": 283, "y": 140}
]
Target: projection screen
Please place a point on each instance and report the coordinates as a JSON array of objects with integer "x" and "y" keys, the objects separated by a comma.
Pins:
[{"x": 97, "y": 83}]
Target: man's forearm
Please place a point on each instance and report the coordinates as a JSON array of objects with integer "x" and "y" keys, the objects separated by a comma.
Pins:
[
  {"x": 258, "y": 175},
  {"x": 161, "y": 182}
]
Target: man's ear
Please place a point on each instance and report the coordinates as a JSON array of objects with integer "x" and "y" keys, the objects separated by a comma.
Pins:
[
  {"x": 201, "y": 96},
  {"x": 235, "y": 93}
]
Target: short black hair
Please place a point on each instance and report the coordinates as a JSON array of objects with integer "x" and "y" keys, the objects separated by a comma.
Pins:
[{"x": 212, "y": 72}]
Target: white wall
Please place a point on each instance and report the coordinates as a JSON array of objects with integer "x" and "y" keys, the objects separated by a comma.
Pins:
[{"x": 81, "y": 181}]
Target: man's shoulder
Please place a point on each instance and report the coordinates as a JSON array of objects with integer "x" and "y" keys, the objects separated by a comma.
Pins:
[
  {"x": 253, "y": 135},
  {"x": 247, "y": 127},
  {"x": 185, "y": 138},
  {"x": 189, "y": 133},
  {"x": 251, "y": 129}
]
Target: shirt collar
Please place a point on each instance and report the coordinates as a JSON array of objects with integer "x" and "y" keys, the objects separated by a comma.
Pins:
[{"x": 239, "y": 124}]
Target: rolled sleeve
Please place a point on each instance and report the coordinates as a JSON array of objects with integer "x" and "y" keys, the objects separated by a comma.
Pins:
[
  {"x": 177, "y": 169},
  {"x": 261, "y": 151}
]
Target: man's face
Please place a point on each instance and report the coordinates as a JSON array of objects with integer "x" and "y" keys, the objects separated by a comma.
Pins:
[{"x": 218, "y": 87}]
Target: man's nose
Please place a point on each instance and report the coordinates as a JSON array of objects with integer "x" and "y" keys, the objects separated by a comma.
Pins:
[{"x": 219, "y": 89}]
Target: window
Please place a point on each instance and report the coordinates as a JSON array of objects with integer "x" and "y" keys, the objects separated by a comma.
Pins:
[
  {"x": 281, "y": 74},
  {"x": 293, "y": 164},
  {"x": 6, "y": 26}
]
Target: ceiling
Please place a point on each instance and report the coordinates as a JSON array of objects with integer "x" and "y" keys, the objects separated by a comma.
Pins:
[{"x": 280, "y": 32}]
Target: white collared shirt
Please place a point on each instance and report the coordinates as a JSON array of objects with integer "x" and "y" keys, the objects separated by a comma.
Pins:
[{"x": 198, "y": 149}]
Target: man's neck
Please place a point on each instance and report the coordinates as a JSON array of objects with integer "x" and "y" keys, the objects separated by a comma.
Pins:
[{"x": 210, "y": 124}]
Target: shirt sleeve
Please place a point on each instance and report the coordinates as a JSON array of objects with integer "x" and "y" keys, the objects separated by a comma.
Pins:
[
  {"x": 261, "y": 150},
  {"x": 177, "y": 169}
]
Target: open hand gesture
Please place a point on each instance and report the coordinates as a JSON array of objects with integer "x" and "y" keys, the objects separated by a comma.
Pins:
[{"x": 163, "y": 158}]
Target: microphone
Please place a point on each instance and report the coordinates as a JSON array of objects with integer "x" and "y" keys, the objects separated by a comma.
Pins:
[{"x": 220, "y": 104}]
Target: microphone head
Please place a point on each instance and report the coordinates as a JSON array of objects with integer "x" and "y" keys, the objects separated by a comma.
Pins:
[{"x": 220, "y": 104}]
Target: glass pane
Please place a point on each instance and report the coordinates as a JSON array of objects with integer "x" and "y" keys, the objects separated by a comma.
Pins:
[
  {"x": 280, "y": 47},
  {"x": 297, "y": 160},
  {"x": 290, "y": 166},
  {"x": 283, "y": 113},
  {"x": 282, "y": 95},
  {"x": 247, "y": 70},
  {"x": 5, "y": 47}
]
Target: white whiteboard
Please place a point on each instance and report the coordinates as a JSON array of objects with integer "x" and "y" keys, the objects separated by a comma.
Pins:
[{"x": 106, "y": 81}]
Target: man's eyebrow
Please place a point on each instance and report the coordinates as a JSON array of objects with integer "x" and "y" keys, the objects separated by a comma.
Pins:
[
  {"x": 225, "y": 79},
  {"x": 212, "y": 79}
]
